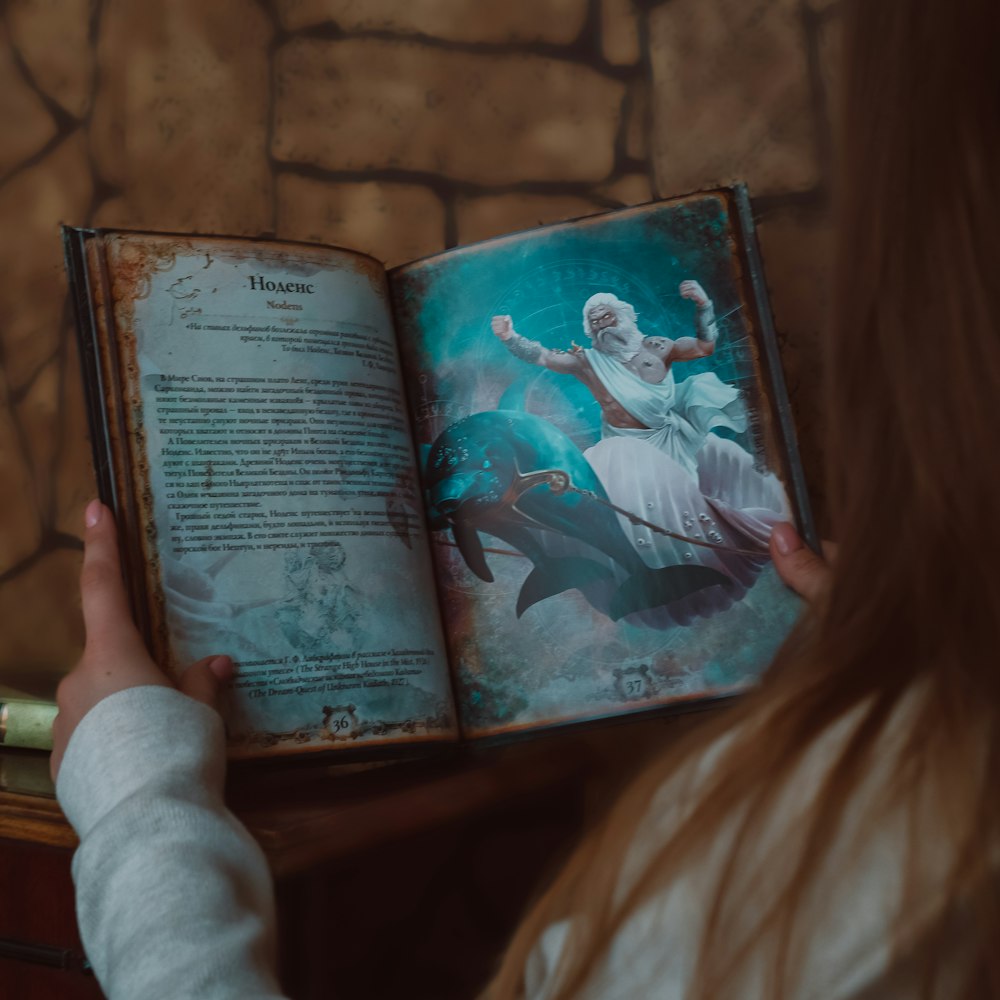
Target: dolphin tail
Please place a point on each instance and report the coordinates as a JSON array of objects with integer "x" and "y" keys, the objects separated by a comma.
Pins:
[
  {"x": 657, "y": 587},
  {"x": 553, "y": 576}
]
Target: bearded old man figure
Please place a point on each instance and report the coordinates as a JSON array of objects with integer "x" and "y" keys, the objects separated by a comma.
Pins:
[
  {"x": 631, "y": 375},
  {"x": 657, "y": 456}
]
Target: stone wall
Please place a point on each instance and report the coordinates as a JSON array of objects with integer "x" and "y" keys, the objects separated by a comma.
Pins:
[{"x": 398, "y": 127}]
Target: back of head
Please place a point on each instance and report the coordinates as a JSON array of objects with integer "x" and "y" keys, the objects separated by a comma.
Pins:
[
  {"x": 913, "y": 362},
  {"x": 912, "y": 617}
]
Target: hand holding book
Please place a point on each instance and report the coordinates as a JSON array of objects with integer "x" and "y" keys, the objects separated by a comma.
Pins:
[
  {"x": 115, "y": 657},
  {"x": 806, "y": 572}
]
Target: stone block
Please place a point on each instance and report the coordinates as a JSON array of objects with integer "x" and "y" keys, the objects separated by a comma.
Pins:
[
  {"x": 368, "y": 104},
  {"x": 27, "y": 126},
  {"x": 557, "y": 22},
  {"x": 637, "y": 121},
  {"x": 620, "y": 32},
  {"x": 37, "y": 415},
  {"x": 119, "y": 32},
  {"x": 797, "y": 248},
  {"x": 395, "y": 223},
  {"x": 21, "y": 530},
  {"x": 630, "y": 189},
  {"x": 114, "y": 214},
  {"x": 481, "y": 218},
  {"x": 53, "y": 37},
  {"x": 32, "y": 294},
  {"x": 188, "y": 114},
  {"x": 41, "y": 622},
  {"x": 731, "y": 96}
]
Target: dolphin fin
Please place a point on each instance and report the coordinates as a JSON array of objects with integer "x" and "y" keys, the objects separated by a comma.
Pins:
[
  {"x": 514, "y": 397},
  {"x": 656, "y": 587},
  {"x": 556, "y": 575},
  {"x": 467, "y": 540}
]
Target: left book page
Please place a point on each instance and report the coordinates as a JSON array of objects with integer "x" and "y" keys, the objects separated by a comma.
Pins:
[{"x": 251, "y": 433}]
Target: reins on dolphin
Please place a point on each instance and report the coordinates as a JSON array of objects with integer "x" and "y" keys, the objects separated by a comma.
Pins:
[{"x": 560, "y": 482}]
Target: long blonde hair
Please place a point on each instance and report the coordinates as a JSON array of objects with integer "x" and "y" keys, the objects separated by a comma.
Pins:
[{"x": 910, "y": 626}]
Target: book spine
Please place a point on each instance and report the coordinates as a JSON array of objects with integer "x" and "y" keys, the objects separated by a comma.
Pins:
[
  {"x": 27, "y": 724},
  {"x": 769, "y": 341},
  {"x": 74, "y": 241}
]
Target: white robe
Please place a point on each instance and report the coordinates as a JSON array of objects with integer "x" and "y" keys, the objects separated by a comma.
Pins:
[
  {"x": 678, "y": 415},
  {"x": 731, "y": 503}
]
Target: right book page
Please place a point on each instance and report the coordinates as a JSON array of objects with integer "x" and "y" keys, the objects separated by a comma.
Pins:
[{"x": 605, "y": 448}]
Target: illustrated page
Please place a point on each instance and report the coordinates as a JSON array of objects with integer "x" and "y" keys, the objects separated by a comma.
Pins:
[
  {"x": 271, "y": 430},
  {"x": 600, "y": 464}
]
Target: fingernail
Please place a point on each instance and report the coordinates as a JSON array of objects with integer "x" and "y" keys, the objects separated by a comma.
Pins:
[
  {"x": 786, "y": 538},
  {"x": 222, "y": 667},
  {"x": 93, "y": 513}
]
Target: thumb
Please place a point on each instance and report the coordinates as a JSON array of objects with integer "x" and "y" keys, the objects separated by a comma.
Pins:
[
  {"x": 206, "y": 679},
  {"x": 805, "y": 572},
  {"x": 105, "y": 606}
]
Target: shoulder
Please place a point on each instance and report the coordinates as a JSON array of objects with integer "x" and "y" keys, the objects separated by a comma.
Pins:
[
  {"x": 662, "y": 347},
  {"x": 858, "y": 921}
]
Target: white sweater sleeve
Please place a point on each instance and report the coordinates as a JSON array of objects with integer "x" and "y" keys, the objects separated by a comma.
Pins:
[{"x": 174, "y": 898}]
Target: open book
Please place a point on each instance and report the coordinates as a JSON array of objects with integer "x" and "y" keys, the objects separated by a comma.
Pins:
[{"x": 514, "y": 485}]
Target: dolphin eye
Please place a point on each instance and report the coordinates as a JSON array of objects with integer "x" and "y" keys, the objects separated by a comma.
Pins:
[{"x": 487, "y": 464}]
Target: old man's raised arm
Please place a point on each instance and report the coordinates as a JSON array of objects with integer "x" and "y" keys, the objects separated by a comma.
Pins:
[
  {"x": 702, "y": 344},
  {"x": 568, "y": 362}
]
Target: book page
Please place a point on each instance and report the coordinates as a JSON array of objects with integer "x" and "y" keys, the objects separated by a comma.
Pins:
[
  {"x": 275, "y": 474},
  {"x": 602, "y": 464}
]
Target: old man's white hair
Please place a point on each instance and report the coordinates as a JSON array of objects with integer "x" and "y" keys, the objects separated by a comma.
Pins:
[
  {"x": 611, "y": 301},
  {"x": 621, "y": 340}
]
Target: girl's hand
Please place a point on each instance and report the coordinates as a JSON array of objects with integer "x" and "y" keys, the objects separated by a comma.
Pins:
[
  {"x": 805, "y": 572},
  {"x": 115, "y": 657}
]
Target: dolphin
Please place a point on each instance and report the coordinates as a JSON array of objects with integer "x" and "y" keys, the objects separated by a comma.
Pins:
[{"x": 512, "y": 474}]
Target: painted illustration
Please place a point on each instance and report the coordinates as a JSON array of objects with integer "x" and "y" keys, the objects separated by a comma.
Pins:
[
  {"x": 602, "y": 512},
  {"x": 323, "y": 609}
]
